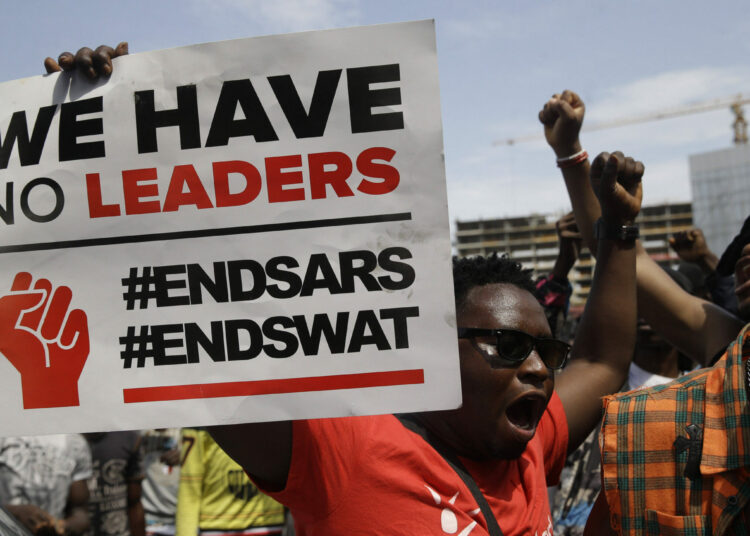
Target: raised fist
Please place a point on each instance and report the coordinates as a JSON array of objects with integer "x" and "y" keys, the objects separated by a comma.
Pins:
[
  {"x": 690, "y": 245},
  {"x": 562, "y": 117},
  {"x": 616, "y": 181},
  {"x": 92, "y": 63},
  {"x": 45, "y": 342}
]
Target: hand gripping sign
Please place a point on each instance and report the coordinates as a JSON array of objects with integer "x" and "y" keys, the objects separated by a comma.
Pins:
[{"x": 44, "y": 341}]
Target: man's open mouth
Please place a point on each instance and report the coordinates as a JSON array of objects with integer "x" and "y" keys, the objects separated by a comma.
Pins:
[{"x": 525, "y": 411}]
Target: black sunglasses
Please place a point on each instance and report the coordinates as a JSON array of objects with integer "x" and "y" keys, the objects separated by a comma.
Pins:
[{"x": 515, "y": 346}]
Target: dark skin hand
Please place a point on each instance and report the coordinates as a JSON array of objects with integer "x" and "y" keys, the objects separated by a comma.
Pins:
[
  {"x": 39, "y": 522},
  {"x": 562, "y": 135},
  {"x": 616, "y": 180},
  {"x": 691, "y": 246},
  {"x": 697, "y": 327},
  {"x": 570, "y": 240},
  {"x": 92, "y": 63}
]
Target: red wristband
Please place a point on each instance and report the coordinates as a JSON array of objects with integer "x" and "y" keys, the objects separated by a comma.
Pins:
[{"x": 572, "y": 160}]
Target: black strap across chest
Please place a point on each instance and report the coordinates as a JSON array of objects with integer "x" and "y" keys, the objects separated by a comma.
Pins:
[{"x": 413, "y": 424}]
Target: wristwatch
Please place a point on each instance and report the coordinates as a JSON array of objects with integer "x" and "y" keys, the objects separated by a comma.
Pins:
[{"x": 624, "y": 233}]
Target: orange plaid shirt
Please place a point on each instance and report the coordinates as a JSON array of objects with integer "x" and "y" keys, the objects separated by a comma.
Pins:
[{"x": 676, "y": 457}]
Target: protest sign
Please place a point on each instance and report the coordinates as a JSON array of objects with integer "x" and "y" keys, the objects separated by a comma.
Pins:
[{"x": 240, "y": 231}]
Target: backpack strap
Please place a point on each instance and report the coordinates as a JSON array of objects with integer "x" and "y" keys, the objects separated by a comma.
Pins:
[{"x": 413, "y": 424}]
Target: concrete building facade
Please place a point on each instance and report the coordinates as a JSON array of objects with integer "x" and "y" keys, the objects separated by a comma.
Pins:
[
  {"x": 720, "y": 183},
  {"x": 532, "y": 240}
]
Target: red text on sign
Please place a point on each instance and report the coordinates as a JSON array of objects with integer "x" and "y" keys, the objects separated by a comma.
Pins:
[{"x": 328, "y": 174}]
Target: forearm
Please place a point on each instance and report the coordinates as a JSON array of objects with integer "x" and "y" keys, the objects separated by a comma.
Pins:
[
  {"x": 708, "y": 263},
  {"x": 563, "y": 264},
  {"x": 606, "y": 334},
  {"x": 699, "y": 328},
  {"x": 137, "y": 519},
  {"x": 604, "y": 340},
  {"x": 582, "y": 198}
]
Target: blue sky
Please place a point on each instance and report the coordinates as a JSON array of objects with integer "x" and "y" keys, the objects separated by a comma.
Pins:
[{"x": 499, "y": 62}]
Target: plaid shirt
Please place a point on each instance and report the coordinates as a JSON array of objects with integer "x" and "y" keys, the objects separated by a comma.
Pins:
[{"x": 676, "y": 457}]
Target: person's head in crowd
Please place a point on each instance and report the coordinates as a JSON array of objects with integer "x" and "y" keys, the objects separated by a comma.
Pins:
[
  {"x": 736, "y": 259},
  {"x": 500, "y": 410}
]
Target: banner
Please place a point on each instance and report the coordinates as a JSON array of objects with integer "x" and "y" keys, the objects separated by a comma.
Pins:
[{"x": 248, "y": 230}]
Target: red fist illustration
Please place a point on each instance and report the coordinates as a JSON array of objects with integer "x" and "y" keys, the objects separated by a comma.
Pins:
[{"x": 46, "y": 344}]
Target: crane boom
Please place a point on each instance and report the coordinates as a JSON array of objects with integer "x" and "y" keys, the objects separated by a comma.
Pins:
[{"x": 705, "y": 106}]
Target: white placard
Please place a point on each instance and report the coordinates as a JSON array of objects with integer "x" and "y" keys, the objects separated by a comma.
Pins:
[{"x": 240, "y": 231}]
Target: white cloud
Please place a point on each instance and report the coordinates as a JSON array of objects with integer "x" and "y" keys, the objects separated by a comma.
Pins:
[
  {"x": 665, "y": 91},
  {"x": 276, "y": 16}
]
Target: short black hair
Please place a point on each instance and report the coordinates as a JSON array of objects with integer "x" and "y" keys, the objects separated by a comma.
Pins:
[{"x": 470, "y": 272}]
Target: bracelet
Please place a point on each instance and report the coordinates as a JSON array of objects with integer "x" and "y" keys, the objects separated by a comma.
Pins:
[
  {"x": 747, "y": 373},
  {"x": 572, "y": 160}
]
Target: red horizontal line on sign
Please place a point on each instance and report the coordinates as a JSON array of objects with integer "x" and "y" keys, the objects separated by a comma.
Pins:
[{"x": 271, "y": 387}]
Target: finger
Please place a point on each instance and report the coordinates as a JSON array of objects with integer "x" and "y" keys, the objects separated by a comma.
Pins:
[
  {"x": 67, "y": 61},
  {"x": 121, "y": 49},
  {"x": 630, "y": 178},
  {"x": 575, "y": 101},
  {"x": 568, "y": 219},
  {"x": 639, "y": 170},
  {"x": 629, "y": 169},
  {"x": 567, "y": 96},
  {"x": 32, "y": 318},
  {"x": 85, "y": 62},
  {"x": 76, "y": 333},
  {"x": 58, "y": 308},
  {"x": 563, "y": 108},
  {"x": 570, "y": 234},
  {"x": 51, "y": 66},
  {"x": 21, "y": 282},
  {"x": 548, "y": 115},
  {"x": 102, "y": 60},
  {"x": 597, "y": 166},
  {"x": 611, "y": 171}
]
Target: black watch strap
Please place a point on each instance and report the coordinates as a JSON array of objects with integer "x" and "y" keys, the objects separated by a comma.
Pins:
[{"x": 624, "y": 233}]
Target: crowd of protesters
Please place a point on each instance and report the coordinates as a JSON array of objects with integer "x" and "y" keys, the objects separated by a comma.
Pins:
[
  {"x": 660, "y": 353},
  {"x": 162, "y": 482}
]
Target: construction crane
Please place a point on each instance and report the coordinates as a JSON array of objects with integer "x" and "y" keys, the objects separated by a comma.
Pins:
[{"x": 734, "y": 103}]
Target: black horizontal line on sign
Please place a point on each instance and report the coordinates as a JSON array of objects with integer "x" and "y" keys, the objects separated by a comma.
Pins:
[{"x": 203, "y": 233}]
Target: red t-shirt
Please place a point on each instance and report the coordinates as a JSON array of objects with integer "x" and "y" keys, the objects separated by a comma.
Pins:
[{"x": 370, "y": 475}]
